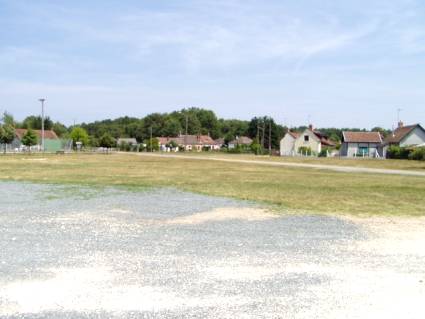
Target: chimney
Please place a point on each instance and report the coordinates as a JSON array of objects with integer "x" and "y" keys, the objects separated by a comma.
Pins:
[
  {"x": 310, "y": 126},
  {"x": 400, "y": 124}
]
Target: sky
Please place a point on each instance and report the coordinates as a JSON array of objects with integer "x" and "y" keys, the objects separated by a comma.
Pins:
[{"x": 329, "y": 63}]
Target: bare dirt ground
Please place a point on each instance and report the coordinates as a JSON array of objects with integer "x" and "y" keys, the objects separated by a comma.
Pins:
[{"x": 110, "y": 253}]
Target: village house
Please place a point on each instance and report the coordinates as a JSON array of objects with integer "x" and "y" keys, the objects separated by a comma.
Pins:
[
  {"x": 287, "y": 144},
  {"x": 240, "y": 141},
  {"x": 52, "y": 143},
  {"x": 189, "y": 143},
  {"x": 293, "y": 144},
  {"x": 361, "y": 144},
  {"x": 405, "y": 136}
]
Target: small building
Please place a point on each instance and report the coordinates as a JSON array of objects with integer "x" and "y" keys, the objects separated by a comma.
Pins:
[
  {"x": 240, "y": 141},
  {"x": 361, "y": 144},
  {"x": 52, "y": 143},
  {"x": 297, "y": 144},
  {"x": 125, "y": 140},
  {"x": 190, "y": 142}
]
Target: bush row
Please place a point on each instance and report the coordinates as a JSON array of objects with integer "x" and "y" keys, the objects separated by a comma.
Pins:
[{"x": 397, "y": 152}]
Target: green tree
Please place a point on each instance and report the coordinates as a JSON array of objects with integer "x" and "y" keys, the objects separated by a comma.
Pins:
[
  {"x": 8, "y": 119},
  {"x": 107, "y": 141},
  {"x": 34, "y": 122},
  {"x": 152, "y": 147},
  {"x": 79, "y": 134},
  {"x": 59, "y": 129},
  {"x": 29, "y": 139},
  {"x": 172, "y": 127},
  {"x": 7, "y": 135}
]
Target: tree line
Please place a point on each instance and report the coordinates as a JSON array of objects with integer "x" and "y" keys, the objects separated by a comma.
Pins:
[{"x": 195, "y": 121}]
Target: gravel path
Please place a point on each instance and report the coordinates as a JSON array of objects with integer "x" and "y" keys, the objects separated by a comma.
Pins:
[
  {"x": 336, "y": 168},
  {"x": 69, "y": 252}
]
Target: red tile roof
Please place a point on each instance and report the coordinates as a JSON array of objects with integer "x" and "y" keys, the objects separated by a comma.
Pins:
[
  {"x": 188, "y": 140},
  {"x": 362, "y": 137},
  {"x": 323, "y": 138},
  {"x": 294, "y": 134},
  {"x": 400, "y": 133},
  {"x": 48, "y": 134}
]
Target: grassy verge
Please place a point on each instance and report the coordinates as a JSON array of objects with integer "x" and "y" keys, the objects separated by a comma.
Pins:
[{"x": 290, "y": 188}]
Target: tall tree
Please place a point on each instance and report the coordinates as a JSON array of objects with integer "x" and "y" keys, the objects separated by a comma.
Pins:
[
  {"x": 79, "y": 134},
  {"x": 7, "y": 135},
  {"x": 34, "y": 122}
]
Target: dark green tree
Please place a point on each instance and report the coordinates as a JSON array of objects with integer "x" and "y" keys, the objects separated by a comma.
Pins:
[
  {"x": 29, "y": 139},
  {"x": 107, "y": 141}
]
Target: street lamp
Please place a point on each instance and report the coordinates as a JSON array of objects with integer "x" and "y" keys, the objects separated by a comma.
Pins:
[{"x": 42, "y": 123}]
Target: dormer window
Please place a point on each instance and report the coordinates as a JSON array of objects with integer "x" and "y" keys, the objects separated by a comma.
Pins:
[{"x": 306, "y": 138}]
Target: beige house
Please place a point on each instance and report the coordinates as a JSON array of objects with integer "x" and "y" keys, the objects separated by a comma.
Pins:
[{"x": 293, "y": 143}]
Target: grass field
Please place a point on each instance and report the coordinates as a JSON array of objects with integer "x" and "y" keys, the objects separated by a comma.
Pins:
[{"x": 291, "y": 189}]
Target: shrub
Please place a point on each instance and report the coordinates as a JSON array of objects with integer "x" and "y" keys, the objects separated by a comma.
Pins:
[
  {"x": 324, "y": 152},
  {"x": 304, "y": 150},
  {"x": 417, "y": 154},
  {"x": 397, "y": 152}
]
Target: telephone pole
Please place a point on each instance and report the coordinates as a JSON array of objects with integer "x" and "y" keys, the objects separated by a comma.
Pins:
[
  {"x": 270, "y": 136},
  {"x": 151, "y": 140},
  {"x": 42, "y": 122}
]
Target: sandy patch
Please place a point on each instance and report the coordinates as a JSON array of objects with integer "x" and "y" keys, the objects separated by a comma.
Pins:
[
  {"x": 392, "y": 234},
  {"x": 223, "y": 214},
  {"x": 94, "y": 289}
]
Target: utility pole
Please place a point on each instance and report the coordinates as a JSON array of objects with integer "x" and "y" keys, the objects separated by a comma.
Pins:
[
  {"x": 185, "y": 135},
  {"x": 151, "y": 140},
  {"x": 398, "y": 115},
  {"x": 42, "y": 122},
  {"x": 270, "y": 136}
]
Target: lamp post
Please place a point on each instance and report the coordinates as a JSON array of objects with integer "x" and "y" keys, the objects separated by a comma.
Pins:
[{"x": 42, "y": 122}]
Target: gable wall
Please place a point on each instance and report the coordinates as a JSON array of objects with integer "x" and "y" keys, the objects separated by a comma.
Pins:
[
  {"x": 287, "y": 145},
  {"x": 416, "y": 137},
  {"x": 313, "y": 143}
]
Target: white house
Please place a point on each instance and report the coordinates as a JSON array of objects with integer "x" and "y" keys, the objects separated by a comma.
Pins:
[
  {"x": 403, "y": 136},
  {"x": 361, "y": 144},
  {"x": 293, "y": 143}
]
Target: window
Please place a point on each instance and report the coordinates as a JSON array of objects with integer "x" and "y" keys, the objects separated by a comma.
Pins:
[{"x": 306, "y": 138}]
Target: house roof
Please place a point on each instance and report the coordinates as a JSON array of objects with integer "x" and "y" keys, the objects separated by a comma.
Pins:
[
  {"x": 294, "y": 134},
  {"x": 48, "y": 134},
  {"x": 126, "y": 140},
  {"x": 242, "y": 140},
  {"x": 220, "y": 141},
  {"x": 362, "y": 137},
  {"x": 188, "y": 140},
  {"x": 400, "y": 133},
  {"x": 322, "y": 137}
]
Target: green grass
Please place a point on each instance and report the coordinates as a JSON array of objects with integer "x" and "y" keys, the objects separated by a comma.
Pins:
[{"x": 293, "y": 189}]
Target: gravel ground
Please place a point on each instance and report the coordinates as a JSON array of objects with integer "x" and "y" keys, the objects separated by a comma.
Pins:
[{"x": 70, "y": 252}]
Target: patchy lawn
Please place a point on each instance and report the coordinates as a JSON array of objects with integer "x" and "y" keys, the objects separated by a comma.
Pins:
[{"x": 293, "y": 189}]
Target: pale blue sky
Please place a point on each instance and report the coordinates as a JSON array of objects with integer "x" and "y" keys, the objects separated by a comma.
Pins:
[{"x": 343, "y": 63}]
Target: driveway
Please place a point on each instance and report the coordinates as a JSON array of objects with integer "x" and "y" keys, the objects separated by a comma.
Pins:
[{"x": 336, "y": 168}]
